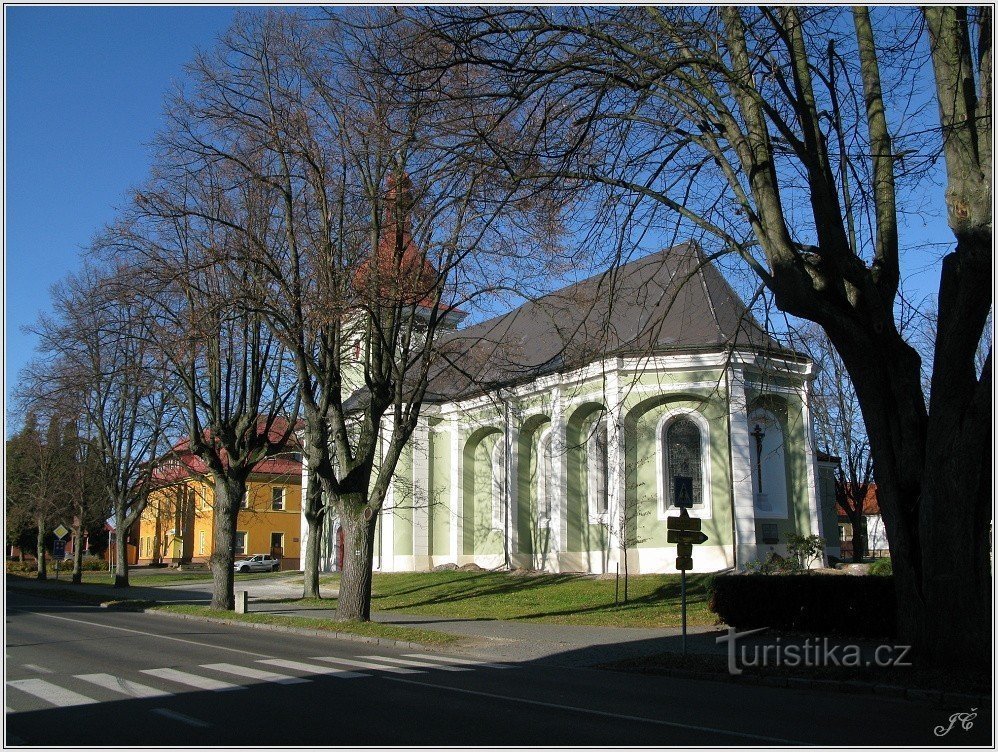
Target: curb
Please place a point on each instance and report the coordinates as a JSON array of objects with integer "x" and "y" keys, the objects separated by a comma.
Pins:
[
  {"x": 835, "y": 685},
  {"x": 388, "y": 641}
]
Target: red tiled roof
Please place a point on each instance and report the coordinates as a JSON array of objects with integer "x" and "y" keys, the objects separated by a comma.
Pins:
[
  {"x": 870, "y": 504},
  {"x": 282, "y": 459},
  {"x": 413, "y": 278}
]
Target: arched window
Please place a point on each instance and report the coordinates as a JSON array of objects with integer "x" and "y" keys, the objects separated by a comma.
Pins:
[
  {"x": 597, "y": 464},
  {"x": 768, "y": 464},
  {"x": 545, "y": 479},
  {"x": 498, "y": 483},
  {"x": 684, "y": 458},
  {"x": 683, "y": 451}
]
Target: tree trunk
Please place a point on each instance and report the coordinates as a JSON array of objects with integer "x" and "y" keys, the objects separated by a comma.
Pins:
[
  {"x": 229, "y": 490},
  {"x": 354, "y": 602},
  {"x": 78, "y": 552},
  {"x": 120, "y": 547},
  {"x": 312, "y": 547},
  {"x": 858, "y": 523},
  {"x": 40, "y": 551},
  {"x": 934, "y": 491}
]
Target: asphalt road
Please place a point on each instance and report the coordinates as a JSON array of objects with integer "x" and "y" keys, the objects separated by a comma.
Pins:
[{"x": 78, "y": 675}]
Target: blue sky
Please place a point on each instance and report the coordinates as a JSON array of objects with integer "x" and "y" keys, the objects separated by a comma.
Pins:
[
  {"x": 84, "y": 96},
  {"x": 84, "y": 93}
]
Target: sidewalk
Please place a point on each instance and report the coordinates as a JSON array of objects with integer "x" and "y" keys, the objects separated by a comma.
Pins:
[{"x": 501, "y": 640}]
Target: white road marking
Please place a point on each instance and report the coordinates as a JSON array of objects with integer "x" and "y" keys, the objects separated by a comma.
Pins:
[
  {"x": 603, "y": 713},
  {"x": 39, "y": 669},
  {"x": 458, "y": 661},
  {"x": 368, "y": 664},
  {"x": 51, "y": 693},
  {"x": 124, "y": 686},
  {"x": 147, "y": 634},
  {"x": 172, "y": 714},
  {"x": 191, "y": 680},
  {"x": 417, "y": 664},
  {"x": 309, "y": 668},
  {"x": 254, "y": 673}
]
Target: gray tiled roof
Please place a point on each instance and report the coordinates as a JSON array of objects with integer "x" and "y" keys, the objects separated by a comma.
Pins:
[{"x": 674, "y": 300}]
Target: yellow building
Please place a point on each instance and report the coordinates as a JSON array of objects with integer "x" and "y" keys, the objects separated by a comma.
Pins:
[{"x": 177, "y": 526}]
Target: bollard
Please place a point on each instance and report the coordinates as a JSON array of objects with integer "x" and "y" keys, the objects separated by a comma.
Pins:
[{"x": 241, "y": 601}]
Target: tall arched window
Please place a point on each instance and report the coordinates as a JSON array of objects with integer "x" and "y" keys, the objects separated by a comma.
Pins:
[
  {"x": 683, "y": 453},
  {"x": 597, "y": 465},
  {"x": 545, "y": 479},
  {"x": 499, "y": 483}
]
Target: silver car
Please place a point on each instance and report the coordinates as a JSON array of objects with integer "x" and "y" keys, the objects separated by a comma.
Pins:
[{"x": 258, "y": 563}]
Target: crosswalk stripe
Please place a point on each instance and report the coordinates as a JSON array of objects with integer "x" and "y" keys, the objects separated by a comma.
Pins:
[
  {"x": 311, "y": 669},
  {"x": 124, "y": 686},
  {"x": 51, "y": 693},
  {"x": 458, "y": 661},
  {"x": 417, "y": 664},
  {"x": 254, "y": 673},
  {"x": 192, "y": 680},
  {"x": 368, "y": 664}
]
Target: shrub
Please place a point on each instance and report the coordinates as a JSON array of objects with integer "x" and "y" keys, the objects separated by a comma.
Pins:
[
  {"x": 882, "y": 568},
  {"x": 835, "y": 604}
]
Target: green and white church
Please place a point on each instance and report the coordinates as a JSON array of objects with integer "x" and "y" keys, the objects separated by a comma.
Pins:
[{"x": 552, "y": 439}]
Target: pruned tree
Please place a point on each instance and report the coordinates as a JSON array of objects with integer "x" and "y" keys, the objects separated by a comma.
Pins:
[
  {"x": 767, "y": 130},
  {"x": 39, "y": 471},
  {"x": 376, "y": 231},
  {"x": 183, "y": 238},
  {"x": 98, "y": 364}
]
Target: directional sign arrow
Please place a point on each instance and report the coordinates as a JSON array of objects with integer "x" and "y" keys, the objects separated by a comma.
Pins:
[
  {"x": 683, "y": 522},
  {"x": 686, "y": 536}
]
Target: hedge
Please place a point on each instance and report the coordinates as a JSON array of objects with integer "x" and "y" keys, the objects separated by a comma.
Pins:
[{"x": 834, "y": 604}]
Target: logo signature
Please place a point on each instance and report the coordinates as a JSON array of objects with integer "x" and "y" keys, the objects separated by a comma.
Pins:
[{"x": 966, "y": 721}]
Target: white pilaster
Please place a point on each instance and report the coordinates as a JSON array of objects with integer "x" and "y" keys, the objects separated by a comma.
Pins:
[
  {"x": 421, "y": 496},
  {"x": 512, "y": 473},
  {"x": 302, "y": 523},
  {"x": 559, "y": 444},
  {"x": 741, "y": 469},
  {"x": 456, "y": 497},
  {"x": 810, "y": 461},
  {"x": 616, "y": 476},
  {"x": 388, "y": 511}
]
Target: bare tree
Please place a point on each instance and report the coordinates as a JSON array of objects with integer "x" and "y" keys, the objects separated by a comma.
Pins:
[
  {"x": 376, "y": 232},
  {"x": 760, "y": 127},
  {"x": 98, "y": 364}
]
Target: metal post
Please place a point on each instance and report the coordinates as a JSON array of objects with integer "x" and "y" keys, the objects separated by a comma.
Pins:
[{"x": 683, "y": 593}]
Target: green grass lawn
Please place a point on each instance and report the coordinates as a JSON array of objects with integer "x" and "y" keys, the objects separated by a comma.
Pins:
[{"x": 653, "y": 600}]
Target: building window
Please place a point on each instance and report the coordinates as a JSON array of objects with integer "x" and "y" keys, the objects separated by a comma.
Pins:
[
  {"x": 201, "y": 542},
  {"x": 597, "y": 465},
  {"x": 277, "y": 497},
  {"x": 240, "y": 547},
  {"x": 768, "y": 465},
  {"x": 683, "y": 439},
  {"x": 684, "y": 458},
  {"x": 277, "y": 544},
  {"x": 498, "y": 483},
  {"x": 545, "y": 480}
]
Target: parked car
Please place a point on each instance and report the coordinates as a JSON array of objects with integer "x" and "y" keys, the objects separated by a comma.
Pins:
[{"x": 258, "y": 563}]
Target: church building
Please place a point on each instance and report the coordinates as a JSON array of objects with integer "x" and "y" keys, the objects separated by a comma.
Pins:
[{"x": 557, "y": 436}]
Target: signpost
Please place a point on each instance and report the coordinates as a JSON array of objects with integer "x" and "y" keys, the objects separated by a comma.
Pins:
[
  {"x": 684, "y": 531},
  {"x": 59, "y": 547}
]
